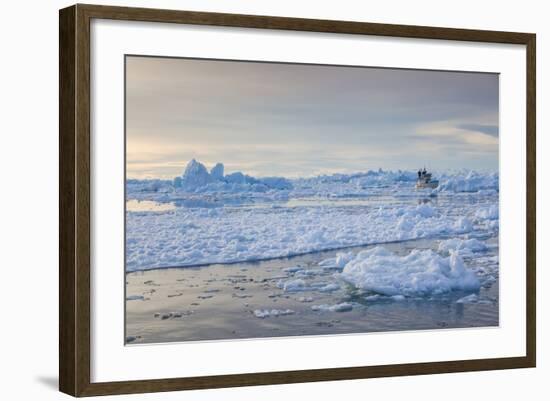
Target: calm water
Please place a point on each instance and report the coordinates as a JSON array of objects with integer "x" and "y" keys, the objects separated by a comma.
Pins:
[{"x": 134, "y": 205}]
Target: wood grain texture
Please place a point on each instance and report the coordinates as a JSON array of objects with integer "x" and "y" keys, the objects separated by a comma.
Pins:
[
  {"x": 74, "y": 199},
  {"x": 67, "y": 284}
]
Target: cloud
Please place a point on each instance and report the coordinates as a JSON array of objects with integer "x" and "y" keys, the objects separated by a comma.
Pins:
[{"x": 491, "y": 130}]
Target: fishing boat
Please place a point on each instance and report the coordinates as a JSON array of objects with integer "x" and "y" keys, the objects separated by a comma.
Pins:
[{"x": 425, "y": 180}]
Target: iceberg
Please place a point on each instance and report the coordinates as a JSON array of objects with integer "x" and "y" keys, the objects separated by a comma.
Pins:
[
  {"x": 217, "y": 172},
  {"x": 197, "y": 179},
  {"x": 195, "y": 175}
]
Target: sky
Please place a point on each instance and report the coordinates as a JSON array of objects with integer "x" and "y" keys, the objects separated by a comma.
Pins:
[{"x": 296, "y": 120}]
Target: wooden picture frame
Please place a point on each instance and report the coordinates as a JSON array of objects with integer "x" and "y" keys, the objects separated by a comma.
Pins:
[{"x": 74, "y": 199}]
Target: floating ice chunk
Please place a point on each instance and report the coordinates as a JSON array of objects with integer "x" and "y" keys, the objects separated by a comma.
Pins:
[
  {"x": 305, "y": 299},
  {"x": 292, "y": 285},
  {"x": 328, "y": 263},
  {"x": 337, "y": 262},
  {"x": 398, "y": 297},
  {"x": 463, "y": 225},
  {"x": 329, "y": 288},
  {"x": 134, "y": 298},
  {"x": 425, "y": 210},
  {"x": 342, "y": 258},
  {"x": 457, "y": 244},
  {"x": 342, "y": 307},
  {"x": 307, "y": 273},
  {"x": 405, "y": 224},
  {"x": 263, "y": 313},
  {"x": 292, "y": 269},
  {"x": 418, "y": 273},
  {"x": 468, "y": 299},
  {"x": 488, "y": 213}
]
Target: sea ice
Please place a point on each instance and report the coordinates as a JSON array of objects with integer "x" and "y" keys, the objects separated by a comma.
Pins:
[
  {"x": 192, "y": 236},
  {"x": 229, "y": 218},
  {"x": 420, "y": 273},
  {"x": 329, "y": 287},
  {"x": 342, "y": 307},
  {"x": 462, "y": 245},
  {"x": 468, "y": 299},
  {"x": 488, "y": 213},
  {"x": 337, "y": 262},
  {"x": 292, "y": 285},
  {"x": 263, "y": 313},
  {"x": 469, "y": 182}
]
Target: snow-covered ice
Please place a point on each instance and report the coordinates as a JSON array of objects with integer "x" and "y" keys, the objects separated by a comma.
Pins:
[
  {"x": 462, "y": 245},
  {"x": 220, "y": 217},
  {"x": 193, "y": 236},
  {"x": 380, "y": 271}
]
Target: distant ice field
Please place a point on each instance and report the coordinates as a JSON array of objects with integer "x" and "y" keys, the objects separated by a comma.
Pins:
[{"x": 206, "y": 219}]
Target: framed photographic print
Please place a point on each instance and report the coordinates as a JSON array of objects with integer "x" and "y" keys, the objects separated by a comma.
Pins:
[{"x": 250, "y": 200}]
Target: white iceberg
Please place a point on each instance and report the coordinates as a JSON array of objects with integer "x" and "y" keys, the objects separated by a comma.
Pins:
[{"x": 195, "y": 175}]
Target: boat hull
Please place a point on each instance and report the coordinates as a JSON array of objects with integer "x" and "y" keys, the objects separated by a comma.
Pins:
[{"x": 429, "y": 185}]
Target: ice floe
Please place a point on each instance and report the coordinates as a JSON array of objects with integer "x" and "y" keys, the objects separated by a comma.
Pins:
[
  {"x": 420, "y": 273},
  {"x": 462, "y": 245},
  {"x": 468, "y": 299},
  {"x": 238, "y": 186},
  {"x": 221, "y": 217},
  {"x": 292, "y": 285},
  {"x": 263, "y": 313},
  {"x": 341, "y": 307},
  {"x": 488, "y": 212},
  {"x": 469, "y": 182},
  {"x": 194, "y": 236}
]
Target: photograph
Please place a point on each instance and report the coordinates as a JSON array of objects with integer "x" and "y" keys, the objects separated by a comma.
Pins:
[{"x": 273, "y": 199}]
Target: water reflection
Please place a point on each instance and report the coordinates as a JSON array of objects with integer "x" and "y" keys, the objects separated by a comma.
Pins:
[{"x": 134, "y": 205}]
